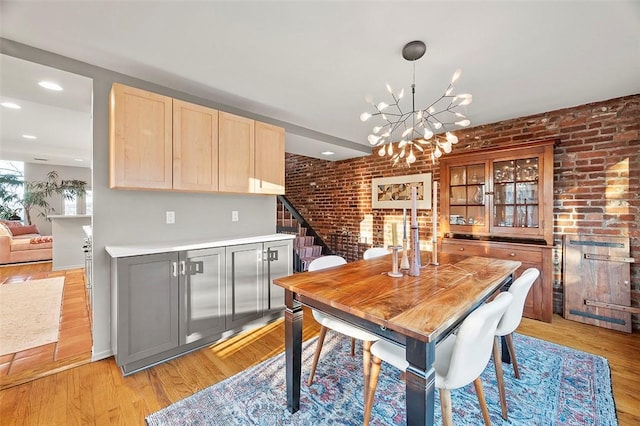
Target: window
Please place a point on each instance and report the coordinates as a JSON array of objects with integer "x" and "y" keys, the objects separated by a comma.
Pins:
[{"x": 10, "y": 193}]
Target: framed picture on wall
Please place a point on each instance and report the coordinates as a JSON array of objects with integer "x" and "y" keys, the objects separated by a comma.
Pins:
[{"x": 395, "y": 192}]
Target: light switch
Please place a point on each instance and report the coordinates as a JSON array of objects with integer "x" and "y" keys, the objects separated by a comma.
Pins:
[
  {"x": 234, "y": 216},
  {"x": 171, "y": 217}
]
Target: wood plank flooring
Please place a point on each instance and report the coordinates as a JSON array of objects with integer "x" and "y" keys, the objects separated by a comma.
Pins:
[
  {"x": 74, "y": 344},
  {"x": 98, "y": 394}
]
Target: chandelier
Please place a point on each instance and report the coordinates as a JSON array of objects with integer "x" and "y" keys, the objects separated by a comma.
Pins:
[{"x": 421, "y": 129}]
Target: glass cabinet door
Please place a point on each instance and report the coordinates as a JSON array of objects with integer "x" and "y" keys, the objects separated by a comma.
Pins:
[
  {"x": 467, "y": 195},
  {"x": 515, "y": 188}
]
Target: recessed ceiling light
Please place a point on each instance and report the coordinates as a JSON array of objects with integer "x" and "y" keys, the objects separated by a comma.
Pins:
[
  {"x": 50, "y": 85},
  {"x": 327, "y": 153},
  {"x": 10, "y": 105},
  {"x": 29, "y": 137}
]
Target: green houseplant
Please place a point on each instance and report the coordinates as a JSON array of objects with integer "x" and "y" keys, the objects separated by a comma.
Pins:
[{"x": 36, "y": 195}]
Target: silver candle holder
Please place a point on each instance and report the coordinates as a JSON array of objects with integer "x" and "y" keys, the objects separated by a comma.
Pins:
[{"x": 414, "y": 268}]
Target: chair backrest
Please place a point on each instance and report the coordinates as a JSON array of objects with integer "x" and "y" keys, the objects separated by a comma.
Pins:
[
  {"x": 474, "y": 342},
  {"x": 326, "y": 262},
  {"x": 519, "y": 290},
  {"x": 375, "y": 252}
]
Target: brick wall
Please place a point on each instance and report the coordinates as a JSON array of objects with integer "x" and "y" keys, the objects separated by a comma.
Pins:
[{"x": 596, "y": 180}]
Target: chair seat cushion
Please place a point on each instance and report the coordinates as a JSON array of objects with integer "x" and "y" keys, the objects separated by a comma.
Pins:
[{"x": 342, "y": 327}]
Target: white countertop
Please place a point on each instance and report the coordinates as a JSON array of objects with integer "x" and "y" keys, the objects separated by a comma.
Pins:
[
  {"x": 164, "y": 247},
  {"x": 68, "y": 216}
]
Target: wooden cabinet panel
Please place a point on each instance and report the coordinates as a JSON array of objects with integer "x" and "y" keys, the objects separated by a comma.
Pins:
[
  {"x": 237, "y": 156},
  {"x": 140, "y": 139},
  {"x": 195, "y": 147},
  {"x": 269, "y": 159}
]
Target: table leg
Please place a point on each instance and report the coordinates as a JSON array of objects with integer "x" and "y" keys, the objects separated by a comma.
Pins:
[
  {"x": 421, "y": 383},
  {"x": 506, "y": 358},
  {"x": 293, "y": 350}
]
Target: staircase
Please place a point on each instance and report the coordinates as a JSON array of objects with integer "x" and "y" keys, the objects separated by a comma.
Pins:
[{"x": 305, "y": 246}]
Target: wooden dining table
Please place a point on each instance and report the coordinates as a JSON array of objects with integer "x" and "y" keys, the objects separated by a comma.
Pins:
[{"x": 413, "y": 311}]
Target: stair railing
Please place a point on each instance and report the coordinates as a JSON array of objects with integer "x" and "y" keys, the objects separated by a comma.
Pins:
[{"x": 286, "y": 204}]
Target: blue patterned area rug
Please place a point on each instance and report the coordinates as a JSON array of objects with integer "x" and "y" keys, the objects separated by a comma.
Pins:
[{"x": 559, "y": 386}]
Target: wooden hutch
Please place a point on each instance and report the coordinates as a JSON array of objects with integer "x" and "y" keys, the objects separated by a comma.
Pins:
[{"x": 498, "y": 202}]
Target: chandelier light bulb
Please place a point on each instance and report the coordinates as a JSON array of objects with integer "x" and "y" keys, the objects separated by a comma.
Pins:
[
  {"x": 382, "y": 151},
  {"x": 382, "y": 106},
  {"x": 437, "y": 125},
  {"x": 451, "y": 138},
  {"x": 402, "y": 154},
  {"x": 390, "y": 149},
  {"x": 437, "y": 153},
  {"x": 460, "y": 115},
  {"x": 449, "y": 90},
  {"x": 406, "y": 132},
  {"x": 389, "y": 88},
  {"x": 446, "y": 147},
  {"x": 428, "y": 134},
  {"x": 386, "y": 134},
  {"x": 411, "y": 158},
  {"x": 401, "y": 94},
  {"x": 456, "y": 75},
  {"x": 373, "y": 139},
  {"x": 463, "y": 123},
  {"x": 431, "y": 110},
  {"x": 466, "y": 99},
  {"x": 377, "y": 129},
  {"x": 365, "y": 116},
  {"x": 402, "y": 143}
]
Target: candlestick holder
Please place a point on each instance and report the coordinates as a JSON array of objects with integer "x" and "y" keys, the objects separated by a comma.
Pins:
[
  {"x": 404, "y": 263},
  {"x": 434, "y": 248},
  {"x": 395, "y": 273},
  {"x": 414, "y": 268}
]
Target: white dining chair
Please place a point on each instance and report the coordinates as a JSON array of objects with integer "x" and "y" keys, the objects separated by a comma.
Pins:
[
  {"x": 372, "y": 252},
  {"x": 329, "y": 322},
  {"x": 510, "y": 321},
  {"x": 459, "y": 360}
]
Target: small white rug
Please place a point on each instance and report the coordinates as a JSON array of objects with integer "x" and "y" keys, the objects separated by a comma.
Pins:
[{"x": 29, "y": 314}]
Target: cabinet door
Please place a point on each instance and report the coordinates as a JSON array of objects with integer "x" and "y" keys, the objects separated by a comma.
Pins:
[
  {"x": 147, "y": 306},
  {"x": 202, "y": 294},
  {"x": 518, "y": 196},
  {"x": 140, "y": 138},
  {"x": 195, "y": 147},
  {"x": 269, "y": 159},
  {"x": 466, "y": 198},
  {"x": 278, "y": 257},
  {"x": 237, "y": 157},
  {"x": 244, "y": 284}
]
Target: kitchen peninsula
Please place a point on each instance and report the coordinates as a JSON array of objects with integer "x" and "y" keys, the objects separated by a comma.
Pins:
[{"x": 68, "y": 239}]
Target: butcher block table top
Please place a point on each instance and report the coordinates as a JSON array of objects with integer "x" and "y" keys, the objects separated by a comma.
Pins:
[{"x": 420, "y": 307}]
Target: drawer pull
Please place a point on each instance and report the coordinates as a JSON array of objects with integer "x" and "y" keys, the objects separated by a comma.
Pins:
[
  {"x": 461, "y": 249},
  {"x": 512, "y": 254}
]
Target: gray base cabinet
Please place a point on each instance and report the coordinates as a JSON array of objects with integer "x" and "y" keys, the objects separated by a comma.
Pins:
[
  {"x": 147, "y": 306},
  {"x": 202, "y": 294},
  {"x": 171, "y": 303}
]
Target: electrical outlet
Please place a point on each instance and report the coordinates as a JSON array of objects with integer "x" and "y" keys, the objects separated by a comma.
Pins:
[
  {"x": 234, "y": 216},
  {"x": 171, "y": 218}
]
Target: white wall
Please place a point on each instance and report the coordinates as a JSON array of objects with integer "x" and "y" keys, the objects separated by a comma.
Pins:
[{"x": 124, "y": 217}]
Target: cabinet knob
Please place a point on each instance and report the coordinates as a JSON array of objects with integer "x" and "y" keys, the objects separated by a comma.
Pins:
[
  {"x": 461, "y": 249},
  {"x": 512, "y": 254}
]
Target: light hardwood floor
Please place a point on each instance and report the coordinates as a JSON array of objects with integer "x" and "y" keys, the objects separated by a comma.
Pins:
[
  {"x": 97, "y": 393},
  {"x": 73, "y": 347}
]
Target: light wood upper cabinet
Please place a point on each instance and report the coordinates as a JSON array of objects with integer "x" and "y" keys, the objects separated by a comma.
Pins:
[
  {"x": 237, "y": 155},
  {"x": 140, "y": 139},
  {"x": 269, "y": 152},
  {"x": 161, "y": 143},
  {"x": 195, "y": 147}
]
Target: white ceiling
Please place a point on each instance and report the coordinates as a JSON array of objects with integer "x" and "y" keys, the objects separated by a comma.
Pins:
[{"x": 310, "y": 64}]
